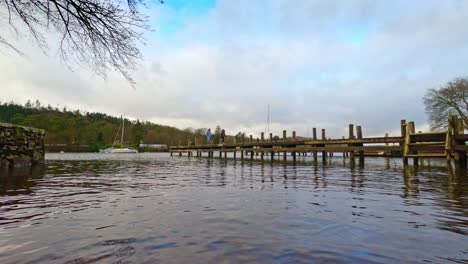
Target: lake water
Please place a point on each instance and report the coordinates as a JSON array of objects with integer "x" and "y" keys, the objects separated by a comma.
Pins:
[{"x": 153, "y": 208}]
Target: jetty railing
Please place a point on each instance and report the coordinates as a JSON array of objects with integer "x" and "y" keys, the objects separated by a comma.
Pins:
[{"x": 449, "y": 144}]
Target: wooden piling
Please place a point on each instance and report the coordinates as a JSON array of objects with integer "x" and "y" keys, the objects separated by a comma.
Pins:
[
  {"x": 272, "y": 154},
  {"x": 412, "y": 130},
  {"x": 351, "y": 136},
  {"x": 314, "y": 137},
  {"x": 284, "y": 139},
  {"x": 324, "y": 153},
  {"x": 405, "y": 137},
  {"x": 262, "y": 135},
  {"x": 361, "y": 152},
  {"x": 293, "y": 153},
  {"x": 459, "y": 155},
  {"x": 344, "y": 153}
]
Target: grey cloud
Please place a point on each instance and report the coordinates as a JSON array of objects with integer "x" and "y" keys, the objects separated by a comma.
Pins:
[{"x": 231, "y": 63}]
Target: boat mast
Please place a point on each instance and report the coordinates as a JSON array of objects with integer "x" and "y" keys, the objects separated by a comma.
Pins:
[
  {"x": 123, "y": 128},
  {"x": 267, "y": 126}
]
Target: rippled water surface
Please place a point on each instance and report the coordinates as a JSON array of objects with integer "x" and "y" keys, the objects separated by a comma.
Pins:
[{"x": 153, "y": 208}]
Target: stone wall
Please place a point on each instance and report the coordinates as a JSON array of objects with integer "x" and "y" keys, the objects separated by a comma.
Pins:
[{"x": 20, "y": 146}]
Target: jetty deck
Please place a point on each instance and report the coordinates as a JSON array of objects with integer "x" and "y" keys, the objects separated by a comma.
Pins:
[{"x": 449, "y": 144}]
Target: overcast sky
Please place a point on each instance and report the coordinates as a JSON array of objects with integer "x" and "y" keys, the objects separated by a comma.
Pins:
[{"x": 321, "y": 64}]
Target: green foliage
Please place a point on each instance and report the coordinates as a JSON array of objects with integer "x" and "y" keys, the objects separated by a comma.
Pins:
[{"x": 96, "y": 130}]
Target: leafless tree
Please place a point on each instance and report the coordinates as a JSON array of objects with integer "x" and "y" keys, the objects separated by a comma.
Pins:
[
  {"x": 101, "y": 33},
  {"x": 450, "y": 99}
]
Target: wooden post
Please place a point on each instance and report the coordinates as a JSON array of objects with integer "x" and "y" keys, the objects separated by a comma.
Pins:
[
  {"x": 386, "y": 153},
  {"x": 262, "y": 135},
  {"x": 242, "y": 154},
  {"x": 324, "y": 153},
  {"x": 294, "y": 139},
  {"x": 448, "y": 139},
  {"x": 251, "y": 152},
  {"x": 404, "y": 136},
  {"x": 412, "y": 130},
  {"x": 344, "y": 152},
  {"x": 225, "y": 154},
  {"x": 361, "y": 152},
  {"x": 351, "y": 136},
  {"x": 284, "y": 139},
  {"x": 272, "y": 154},
  {"x": 458, "y": 129},
  {"x": 462, "y": 153},
  {"x": 314, "y": 137}
]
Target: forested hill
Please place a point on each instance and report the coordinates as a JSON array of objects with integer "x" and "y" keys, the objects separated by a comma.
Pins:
[{"x": 97, "y": 130}]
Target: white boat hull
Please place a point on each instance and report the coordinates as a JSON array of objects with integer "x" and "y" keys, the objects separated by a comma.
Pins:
[{"x": 119, "y": 150}]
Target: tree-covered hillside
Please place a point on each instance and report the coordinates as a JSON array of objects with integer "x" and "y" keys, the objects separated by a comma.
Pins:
[{"x": 97, "y": 130}]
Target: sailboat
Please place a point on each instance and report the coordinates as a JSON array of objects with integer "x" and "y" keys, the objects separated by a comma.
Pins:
[{"x": 121, "y": 149}]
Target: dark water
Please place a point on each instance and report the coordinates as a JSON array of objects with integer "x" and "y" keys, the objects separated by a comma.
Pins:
[{"x": 152, "y": 208}]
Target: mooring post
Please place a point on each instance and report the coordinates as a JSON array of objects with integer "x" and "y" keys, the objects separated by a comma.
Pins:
[
  {"x": 403, "y": 143},
  {"x": 294, "y": 139},
  {"x": 262, "y": 136},
  {"x": 324, "y": 153},
  {"x": 361, "y": 152},
  {"x": 448, "y": 141},
  {"x": 272, "y": 154},
  {"x": 314, "y": 137},
  {"x": 256, "y": 152},
  {"x": 412, "y": 130},
  {"x": 351, "y": 136},
  {"x": 343, "y": 145},
  {"x": 461, "y": 153},
  {"x": 284, "y": 139},
  {"x": 251, "y": 142},
  {"x": 235, "y": 152}
]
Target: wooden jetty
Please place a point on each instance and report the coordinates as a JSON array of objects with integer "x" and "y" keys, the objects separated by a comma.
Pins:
[{"x": 448, "y": 144}]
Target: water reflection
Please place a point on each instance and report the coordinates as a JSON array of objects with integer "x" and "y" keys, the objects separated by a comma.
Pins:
[
  {"x": 15, "y": 181},
  {"x": 150, "y": 208}
]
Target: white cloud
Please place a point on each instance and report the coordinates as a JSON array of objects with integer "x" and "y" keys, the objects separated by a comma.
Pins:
[{"x": 316, "y": 63}]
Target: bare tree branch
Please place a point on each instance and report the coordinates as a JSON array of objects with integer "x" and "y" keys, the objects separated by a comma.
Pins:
[
  {"x": 450, "y": 99},
  {"x": 101, "y": 33}
]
